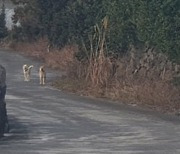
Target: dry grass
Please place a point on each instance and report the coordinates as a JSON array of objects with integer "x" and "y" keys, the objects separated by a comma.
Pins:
[
  {"x": 61, "y": 59},
  {"x": 58, "y": 59},
  {"x": 152, "y": 94},
  {"x": 142, "y": 79},
  {"x": 146, "y": 79},
  {"x": 35, "y": 49}
]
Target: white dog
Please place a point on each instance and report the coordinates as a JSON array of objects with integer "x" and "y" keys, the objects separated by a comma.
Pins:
[
  {"x": 42, "y": 75},
  {"x": 27, "y": 72}
]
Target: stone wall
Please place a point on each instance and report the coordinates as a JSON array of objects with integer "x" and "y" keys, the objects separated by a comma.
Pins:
[{"x": 3, "y": 111}]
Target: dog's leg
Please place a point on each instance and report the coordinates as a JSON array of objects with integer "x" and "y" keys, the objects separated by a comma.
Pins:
[
  {"x": 28, "y": 77},
  {"x": 25, "y": 68},
  {"x": 25, "y": 76},
  {"x": 29, "y": 72},
  {"x": 42, "y": 75},
  {"x": 43, "y": 80},
  {"x": 40, "y": 78}
]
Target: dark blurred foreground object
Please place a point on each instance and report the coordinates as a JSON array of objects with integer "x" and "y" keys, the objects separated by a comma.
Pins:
[{"x": 4, "y": 127}]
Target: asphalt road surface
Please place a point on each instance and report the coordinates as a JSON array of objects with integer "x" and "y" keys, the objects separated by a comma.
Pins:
[{"x": 44, "y": 120}]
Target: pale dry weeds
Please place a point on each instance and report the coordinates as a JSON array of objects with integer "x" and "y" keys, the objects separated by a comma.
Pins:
[{"x": 142, "y": 79}]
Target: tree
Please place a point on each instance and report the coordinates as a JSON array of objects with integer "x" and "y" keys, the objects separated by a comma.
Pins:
[
  {"x": 3, "y": 28},
  {"x": 152, "y": 23},
  {"x": 26, "y": 14},
  {"x": 60, "y": 21}
]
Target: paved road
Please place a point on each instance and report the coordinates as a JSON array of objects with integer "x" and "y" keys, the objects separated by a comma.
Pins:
[{"x": 44, "y": 120}]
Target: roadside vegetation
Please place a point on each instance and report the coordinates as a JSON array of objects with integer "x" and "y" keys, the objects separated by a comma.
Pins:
[{"x": 120, "y": 49}]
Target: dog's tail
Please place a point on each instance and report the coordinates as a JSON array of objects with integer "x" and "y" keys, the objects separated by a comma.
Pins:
[{"x": 31, "y": 66}]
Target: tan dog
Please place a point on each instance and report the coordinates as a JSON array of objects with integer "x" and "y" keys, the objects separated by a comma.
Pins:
[
  {"x": 42, "y": 75},
  {"x": 27, "y": 72}
]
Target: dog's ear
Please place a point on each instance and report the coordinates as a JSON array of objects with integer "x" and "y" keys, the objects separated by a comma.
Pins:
[
  {"x": 25, "y": 66},
  {"x": 41, "y": 67}
]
